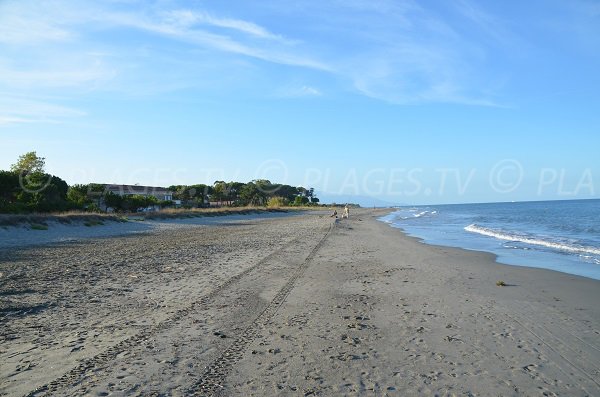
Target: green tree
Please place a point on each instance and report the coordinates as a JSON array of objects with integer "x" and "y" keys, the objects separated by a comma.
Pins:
[
  {"x": 78, "y": 195},
  {"x": 113, "y": 200},
  {"x": 250, "y": 194},
  {"x": 192, "y": 195},
  {"x": 219, "y": 191},
  {"x": 300, "y": 200},
  {"x": 198, "y": 193},
  {"x": 9, "y": 187},
  {"x": 42, "y": 192},
  {"x": 135, "y": 201},
  {"x": 28, "y": 163},
  {"x": 287, "y": 191},
  {"x": 302, "y": 191},
  {"x": 183, "y": 193},
  {"x": 27, "y": 188},
  {"x": 96, "y": 188},
  {"x": 265, "y": 186},
  {"x": 234, "y": 189},
  {"x": 166, "y": 203}
]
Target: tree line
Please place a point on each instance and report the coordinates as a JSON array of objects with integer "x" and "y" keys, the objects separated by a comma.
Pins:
[
  {"x": 26, "y": 187},
  {"x": 259, "y": 192}
]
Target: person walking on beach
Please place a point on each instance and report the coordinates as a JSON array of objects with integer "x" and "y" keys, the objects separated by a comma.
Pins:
[{"x": 346, "y": 213}]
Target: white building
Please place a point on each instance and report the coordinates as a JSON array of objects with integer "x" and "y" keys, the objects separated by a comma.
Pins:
[{"x": 161, "y": 193}]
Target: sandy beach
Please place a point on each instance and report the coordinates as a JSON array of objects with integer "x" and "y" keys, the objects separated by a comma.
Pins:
[{"x": 301, "y": 305}]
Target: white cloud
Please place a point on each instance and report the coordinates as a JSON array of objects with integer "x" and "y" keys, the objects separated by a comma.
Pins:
[
  {"x": 394, "y": 51},
  {"x": 188, "y": 18},
  {"x": 18, "y": 30},
  {"x": 33, "y": 23},
  {"x": 299, "y": 91},
  {"x": 4, "y": 120},
  {"x": 53, "y": 75},
  {"x": 19, "y": 110},
  {"x": 66, "y": 53},
  {"x": 398, "y": 51},
  {"x": 310, "y": 91},
  {"x": 421, "y": 63},
  {"x": 285, "y": 55}
]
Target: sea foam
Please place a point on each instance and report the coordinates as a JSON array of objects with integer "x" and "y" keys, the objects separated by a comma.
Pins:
[{"x": 502, "y": 235}]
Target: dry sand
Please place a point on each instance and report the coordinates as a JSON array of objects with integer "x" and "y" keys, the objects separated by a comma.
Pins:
[{"x": 296, "y": 306}]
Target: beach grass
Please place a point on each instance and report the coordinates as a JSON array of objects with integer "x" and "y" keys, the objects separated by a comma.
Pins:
[
  {"x": 174, "y": 213},
  {"x": 64, "y": 218},
  {"x": 98, "y": 219}
]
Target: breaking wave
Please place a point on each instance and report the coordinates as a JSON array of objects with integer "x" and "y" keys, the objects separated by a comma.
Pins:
[{"x": 501, "y": 235}]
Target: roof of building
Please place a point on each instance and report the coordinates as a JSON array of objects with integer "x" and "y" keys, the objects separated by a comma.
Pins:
[{"x": 136, "y": 189}]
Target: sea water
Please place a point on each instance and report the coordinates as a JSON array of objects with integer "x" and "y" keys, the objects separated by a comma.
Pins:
[{"x": 557, "y": 235}]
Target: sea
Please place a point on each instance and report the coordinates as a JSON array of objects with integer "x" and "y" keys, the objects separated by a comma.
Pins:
[{"x": 557, "y": 235}]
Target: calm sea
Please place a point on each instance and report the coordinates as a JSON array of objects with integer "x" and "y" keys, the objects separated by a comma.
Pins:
[{"x": 557, "y": 235}]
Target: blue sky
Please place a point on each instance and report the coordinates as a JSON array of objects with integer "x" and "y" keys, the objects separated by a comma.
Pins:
[{"x": 404, "y": 101}]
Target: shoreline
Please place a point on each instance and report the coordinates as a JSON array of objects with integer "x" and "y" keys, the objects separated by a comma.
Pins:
[
  {"x": 302, "y": 305},
  {"x": 428, "y": 320},
  {"x": 517, "y": 260},
  {"x": 492, "y": 258}
]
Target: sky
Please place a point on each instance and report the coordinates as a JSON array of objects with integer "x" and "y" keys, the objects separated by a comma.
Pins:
[{"x": 377, "y": 102}]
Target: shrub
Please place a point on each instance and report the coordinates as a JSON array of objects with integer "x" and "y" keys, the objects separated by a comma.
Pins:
[
  {"x": 166, "y": 203},
  {"x": 500, "y": 283},
  {"x": 275, "y": 202},
  {"x": 32, "y": 192},
  {"x": 300, "y": 200},
  {"x": 93, "y": 208}
]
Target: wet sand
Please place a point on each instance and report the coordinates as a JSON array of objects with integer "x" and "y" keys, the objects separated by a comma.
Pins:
[{"x": 296, "y": 305}]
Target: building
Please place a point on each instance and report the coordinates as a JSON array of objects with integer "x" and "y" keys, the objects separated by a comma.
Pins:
[{"x": 161, "y": 193}]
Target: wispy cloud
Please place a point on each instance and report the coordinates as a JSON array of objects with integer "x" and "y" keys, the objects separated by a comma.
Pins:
[
  {"x": 486, "y": 22},
  {"x": 424, "y": 61},
  {"x": 18, "y": 30},
  {"x": 56, "y": 73},
  {"x": 20, "y": 110},
  {"x": 32, "y": 23},
  {"x": 5, "y": 120},
  {"x": 299, "y": 91},
  {"x": 396, "y": 51},
  {"x": 188, "y": 18},
  {"x": 66, "y": 50},
  {"x": 185, "y": 32},
  {"x": 310, "y": 91}
]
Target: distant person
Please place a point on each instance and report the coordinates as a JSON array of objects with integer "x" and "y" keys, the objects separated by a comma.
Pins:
[
  {"x": 334, "y": 214},
  {"x": 346, "y": 213}
]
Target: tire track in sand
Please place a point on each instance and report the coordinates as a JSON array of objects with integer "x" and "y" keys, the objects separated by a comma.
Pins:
[
  {"x": 85, "y": 368},
  {"x": 215, "y": 374}
]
